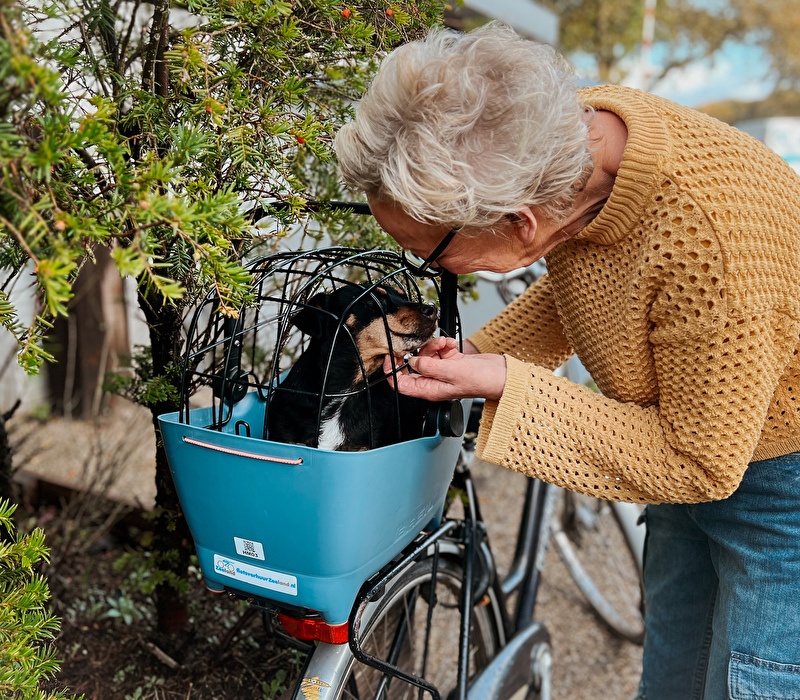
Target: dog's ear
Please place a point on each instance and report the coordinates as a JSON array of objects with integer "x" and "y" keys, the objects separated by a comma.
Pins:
[{"x": 313, "y": 319}]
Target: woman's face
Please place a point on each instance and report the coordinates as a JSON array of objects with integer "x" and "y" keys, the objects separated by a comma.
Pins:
[
  {"x": 507, "y": 247},
  {"x": 490, "y": 252}
]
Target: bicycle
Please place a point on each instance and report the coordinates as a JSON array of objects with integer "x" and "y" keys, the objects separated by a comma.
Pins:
[
  {"x": 393, "y": 629},
  {"x": 590, "y": 534},
  {"x": 430, "y": 617}
]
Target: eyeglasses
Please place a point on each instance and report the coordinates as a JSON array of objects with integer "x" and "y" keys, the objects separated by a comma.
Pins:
[{"x": 423, "y": 269}]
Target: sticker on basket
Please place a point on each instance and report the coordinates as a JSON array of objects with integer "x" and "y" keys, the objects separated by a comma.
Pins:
[
  {"x": 255, "y": 575},
  {"x": 249, "y": 548}
]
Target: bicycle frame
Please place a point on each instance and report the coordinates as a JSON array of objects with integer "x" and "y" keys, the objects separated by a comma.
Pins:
[
  {"x": 533, "y": 537},
  {"x": 539, "y": 505},
  {"x": 467, "y": 539},
  {"x": 470, "y": 537}
]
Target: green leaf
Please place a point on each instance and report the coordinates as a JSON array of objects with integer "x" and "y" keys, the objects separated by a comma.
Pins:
[{"x": 54, "y": 278}]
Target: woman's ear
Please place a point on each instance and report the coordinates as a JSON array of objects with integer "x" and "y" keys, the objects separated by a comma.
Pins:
[{"x": 525, "y": 224}]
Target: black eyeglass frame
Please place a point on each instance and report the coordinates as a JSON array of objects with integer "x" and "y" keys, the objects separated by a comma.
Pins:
[{"x": 423, "y": 269}]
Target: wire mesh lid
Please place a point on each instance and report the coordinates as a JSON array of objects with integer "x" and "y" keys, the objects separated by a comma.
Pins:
[{"x": 225, "y": 357}]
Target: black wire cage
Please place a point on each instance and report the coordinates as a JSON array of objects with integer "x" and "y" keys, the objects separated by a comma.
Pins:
[{"x": 225, "y": 358}]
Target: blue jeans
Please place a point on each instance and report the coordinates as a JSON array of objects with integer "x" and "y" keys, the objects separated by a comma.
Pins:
[{"x": 722, "y": 592}]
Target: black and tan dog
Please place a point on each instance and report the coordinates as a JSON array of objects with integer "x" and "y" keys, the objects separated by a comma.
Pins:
[{"x": 336, "y": 396}]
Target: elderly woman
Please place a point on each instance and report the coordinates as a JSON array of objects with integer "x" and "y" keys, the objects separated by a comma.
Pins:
[{"x": 673, "y": 252}]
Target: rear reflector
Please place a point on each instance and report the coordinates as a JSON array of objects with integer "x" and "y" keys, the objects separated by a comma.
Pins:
[{"x": 313, "y": 630}]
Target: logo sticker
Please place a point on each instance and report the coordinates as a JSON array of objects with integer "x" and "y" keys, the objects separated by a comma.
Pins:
[
  {"x": 255, "y": 575},
  {"x": 311, "y": 687},
  {"x": 249, "y": 548}
]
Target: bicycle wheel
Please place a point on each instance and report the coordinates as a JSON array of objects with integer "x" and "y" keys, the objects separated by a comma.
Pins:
[
  {"x": 601, "y": 546},
  {"x": 417, "y": 637}
]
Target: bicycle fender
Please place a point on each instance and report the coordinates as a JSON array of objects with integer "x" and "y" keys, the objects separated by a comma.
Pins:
[{"x": 524, "y": 662}]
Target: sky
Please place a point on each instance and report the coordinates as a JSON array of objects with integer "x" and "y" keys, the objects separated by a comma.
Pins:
[{"x": 738, "y": 72}]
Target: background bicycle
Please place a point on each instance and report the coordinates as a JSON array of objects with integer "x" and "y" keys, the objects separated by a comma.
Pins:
[{"x": 590, "y": 535}]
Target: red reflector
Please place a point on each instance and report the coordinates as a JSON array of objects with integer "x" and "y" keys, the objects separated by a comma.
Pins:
[{"x": 313, "y": 630}]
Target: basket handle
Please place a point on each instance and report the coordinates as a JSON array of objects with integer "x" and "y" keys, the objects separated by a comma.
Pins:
[
  {"x": 448, "y": 303},
  {"x": 241, "y": 453}
]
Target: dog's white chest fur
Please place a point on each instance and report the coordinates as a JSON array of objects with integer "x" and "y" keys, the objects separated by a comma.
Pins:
[{"x": 331, "y": 434}]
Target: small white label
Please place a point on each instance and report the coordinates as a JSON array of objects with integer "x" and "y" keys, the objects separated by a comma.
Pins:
[
  {"x": 249, "y": 548},
  {"x": 255, "y": 575}
]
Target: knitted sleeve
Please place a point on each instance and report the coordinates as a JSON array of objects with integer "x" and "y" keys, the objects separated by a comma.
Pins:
[
  {"x": 693, "y": 446},
  {"x": 529, "y": 329}
]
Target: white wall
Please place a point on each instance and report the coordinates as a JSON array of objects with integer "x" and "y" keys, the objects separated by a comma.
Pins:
[
  {"x": 14, "y": 382},
  {"x": 527, "y": 17}
]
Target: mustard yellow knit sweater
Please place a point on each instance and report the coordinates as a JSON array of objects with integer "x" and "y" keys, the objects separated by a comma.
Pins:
[{"x": 682, "y": 298}]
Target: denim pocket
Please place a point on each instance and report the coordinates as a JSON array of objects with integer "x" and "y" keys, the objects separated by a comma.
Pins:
[{"x": 751, "y": 678}]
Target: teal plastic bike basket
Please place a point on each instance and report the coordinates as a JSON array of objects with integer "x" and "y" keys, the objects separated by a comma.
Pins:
[
  {"x": 299, "y": 526},
  {"x": 294, "y": 524}
]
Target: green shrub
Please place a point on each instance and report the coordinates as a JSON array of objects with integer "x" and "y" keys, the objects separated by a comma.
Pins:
[{"x": 27, "y": 628}]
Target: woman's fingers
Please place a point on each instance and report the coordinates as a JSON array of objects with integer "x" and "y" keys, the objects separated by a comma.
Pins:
[
  {"x": 437, "y": 346},
  {"x": 440, "y": 372},
  {"x": 453, "y": 375}
]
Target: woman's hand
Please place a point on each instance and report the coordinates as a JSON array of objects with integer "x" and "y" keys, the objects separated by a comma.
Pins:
[{"x": 441, "y": 372}]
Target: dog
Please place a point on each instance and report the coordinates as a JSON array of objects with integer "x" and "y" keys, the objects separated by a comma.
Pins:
[{"x": 336, "y": 397}]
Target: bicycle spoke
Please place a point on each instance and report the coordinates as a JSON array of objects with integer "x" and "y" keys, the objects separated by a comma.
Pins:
[{"x": 431, "y": 605}]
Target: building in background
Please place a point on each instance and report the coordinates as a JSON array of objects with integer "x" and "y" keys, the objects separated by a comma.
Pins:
[
  {"x": 529, "y": 18},
  {"x": 781, "y": 134}
]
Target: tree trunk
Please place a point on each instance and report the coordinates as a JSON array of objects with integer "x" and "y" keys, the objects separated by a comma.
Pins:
[
  {"x": 172, "y": 541},
  {"x": 6, "y": 466},
  {"x": 91, "y": 342}
]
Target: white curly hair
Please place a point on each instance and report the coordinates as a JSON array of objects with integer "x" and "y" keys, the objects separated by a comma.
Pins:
[{"x": 463, "y": 129}]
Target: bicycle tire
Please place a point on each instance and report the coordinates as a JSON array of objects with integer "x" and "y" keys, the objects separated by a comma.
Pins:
[
  {"x": 601, "y": 546},
  {"x": 406, "y": 600}
]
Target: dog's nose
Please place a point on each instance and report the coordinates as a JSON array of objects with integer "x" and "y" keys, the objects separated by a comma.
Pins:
[{"x": 429, "y": 309}]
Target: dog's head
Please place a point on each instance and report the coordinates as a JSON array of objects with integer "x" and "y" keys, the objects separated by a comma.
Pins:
[{"x": 379, "y": 319}]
